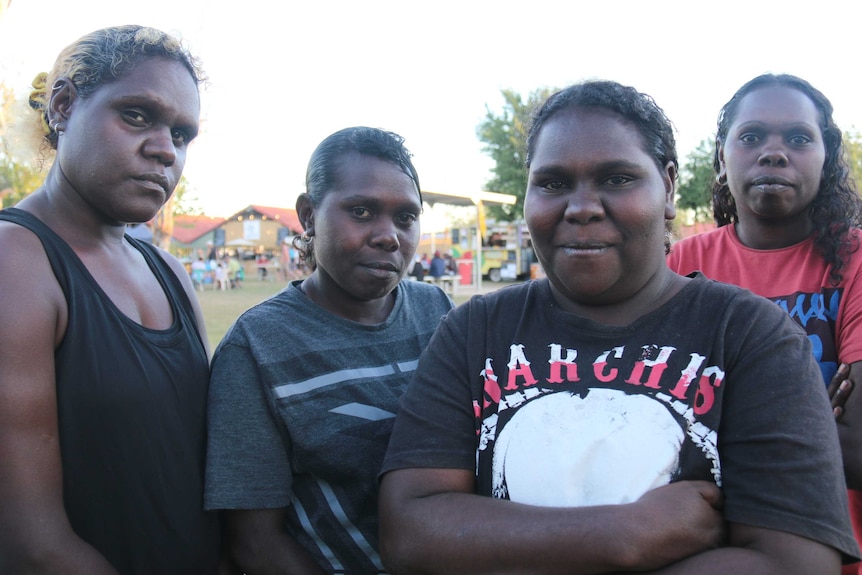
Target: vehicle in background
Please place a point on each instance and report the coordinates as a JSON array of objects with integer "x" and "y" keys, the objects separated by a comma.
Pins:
[{"x": 507, "y": 253}]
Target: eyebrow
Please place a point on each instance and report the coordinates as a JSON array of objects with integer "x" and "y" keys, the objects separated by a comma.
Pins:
[
  {"x": 156, "y": 104},
  {"x": 784, "y": 125},
  {"x": 374, "y": 200},
  {"x": 611, "y": 165}
]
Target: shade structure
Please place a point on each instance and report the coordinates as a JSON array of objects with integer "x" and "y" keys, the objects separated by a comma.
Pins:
[
  {"x": 240, "y": 242},
  {"x": 478, "y": 199}
]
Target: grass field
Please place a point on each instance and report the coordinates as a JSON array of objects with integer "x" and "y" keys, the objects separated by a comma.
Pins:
[{"x": 221, "y": 308}]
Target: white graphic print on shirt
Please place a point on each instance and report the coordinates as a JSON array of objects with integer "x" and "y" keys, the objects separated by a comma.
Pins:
[{"x": 567, "y": 442}]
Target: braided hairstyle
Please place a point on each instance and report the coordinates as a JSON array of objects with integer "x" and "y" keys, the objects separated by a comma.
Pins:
[{"x": 837, "y": 206}]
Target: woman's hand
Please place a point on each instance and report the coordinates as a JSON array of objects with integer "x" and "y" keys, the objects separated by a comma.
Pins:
[{"x": 839, "y": 390}]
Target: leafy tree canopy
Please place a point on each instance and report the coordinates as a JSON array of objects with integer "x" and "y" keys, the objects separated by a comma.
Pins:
[
  {"x": 17, "y": 179},
  {"x": 853, "y": 155},
  {"x": 184, "y": 201},
  {"x": 696, "y": 176},
  {"x": 504, "y": 136}
]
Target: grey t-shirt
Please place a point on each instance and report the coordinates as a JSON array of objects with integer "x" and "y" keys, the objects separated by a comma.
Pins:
[{"x": 301, "y": 406}]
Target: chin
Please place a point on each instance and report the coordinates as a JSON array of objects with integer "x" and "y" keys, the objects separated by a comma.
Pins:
[
  {"x": 139, "y": 213},
  {"x": 375, "y": 295}
]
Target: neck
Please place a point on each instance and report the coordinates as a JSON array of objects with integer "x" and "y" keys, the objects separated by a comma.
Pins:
[
  {"x": 765, "y": 234},
  {"x": 335, "y": 300},
  {"x": 80, "y": 228},
  {"x": 655, "y": 293}
]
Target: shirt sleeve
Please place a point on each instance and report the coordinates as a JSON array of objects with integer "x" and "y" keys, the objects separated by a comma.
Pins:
[
  {"x": 778, "y": 443},
  {"x": 247, "y": 464},
  {"x": 435, "y": 426},
  {"x": 849, "y": 336}
]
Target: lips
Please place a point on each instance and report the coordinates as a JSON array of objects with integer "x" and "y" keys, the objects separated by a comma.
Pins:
[
  {"x": 586, "y": 245},
  {"x": 771, "y": 181},
  {"x": 155, "y": 178},
  {"x": 383, "y": 266}
]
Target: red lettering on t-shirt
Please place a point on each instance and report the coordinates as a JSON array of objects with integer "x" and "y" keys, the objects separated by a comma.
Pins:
[
  {"x": 558, "y": 363},
  {"x": 680, "y": 390},
  {"x": 656, "y": 366},
  {"x": 519, "y": 367},
  {"x": 599, "y": 366},
  {"x": 492, "y": 392},
  {"x": 705, "y": 398}
]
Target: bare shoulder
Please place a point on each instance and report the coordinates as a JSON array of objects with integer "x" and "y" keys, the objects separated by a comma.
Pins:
[
  {"x": 33, "y": 315},
  {"x": 24, "y": 267},
  {"x": 16, "y": 238},
  {"x": 169, "y": 258}
]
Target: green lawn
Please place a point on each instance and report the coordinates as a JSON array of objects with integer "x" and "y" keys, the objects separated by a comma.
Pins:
[{"x": 221, "y": 308}]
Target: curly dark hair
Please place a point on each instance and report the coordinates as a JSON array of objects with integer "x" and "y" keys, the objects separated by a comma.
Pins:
[
  {"x": 637, "y": 108},
  {"x": 837, "y": 206}
]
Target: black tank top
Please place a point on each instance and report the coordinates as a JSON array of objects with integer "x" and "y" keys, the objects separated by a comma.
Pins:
[{"x": 131, "y": 406}]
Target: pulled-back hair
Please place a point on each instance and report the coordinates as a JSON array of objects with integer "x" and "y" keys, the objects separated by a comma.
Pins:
[
  {"x": 103, "y": 56},
  {"x": 637, "y": 108},
  {"x": 322, "y": 174},
  {"x": 836, "y": 208}
]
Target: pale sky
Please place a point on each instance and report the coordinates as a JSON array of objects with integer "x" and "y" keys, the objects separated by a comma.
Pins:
[{"x": 284, "y": 75}]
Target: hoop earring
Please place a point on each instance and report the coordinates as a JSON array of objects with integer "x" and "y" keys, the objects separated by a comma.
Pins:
[
  {"x": 721, "y": 180},
  {"x": 306, "y": 239}
]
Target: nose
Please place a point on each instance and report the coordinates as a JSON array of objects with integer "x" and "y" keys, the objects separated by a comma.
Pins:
[
  {"x": 160, "y": 145},
  {"x": 385, "y": 236},
  {"x": 773, "y": 153},
  {"x": 584, "y": 205}
]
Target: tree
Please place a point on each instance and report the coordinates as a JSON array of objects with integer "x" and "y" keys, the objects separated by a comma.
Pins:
[
  {"x": 184, "y": 202},
  {"x": 17, "y": 178},
  {"x": 853, "y": 156},
  {"x": 181, "y": 202},
  {"x": 505, "y": 138},
  {"x": 696, "y": 177}
]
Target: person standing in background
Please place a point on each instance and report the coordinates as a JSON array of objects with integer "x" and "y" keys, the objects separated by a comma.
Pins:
[
  {"x": 221, "y": 276},
  {"x": 199, "y": 269},
  {"x": 437, "y": 267},
  {"x": 234, "y": 271},
  {"x": 417, "y": 271}
]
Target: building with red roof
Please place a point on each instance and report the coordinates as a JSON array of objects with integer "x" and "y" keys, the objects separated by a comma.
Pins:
[
  {"x": 261, "y": 228},
  {"x": 252, "y": 230},
  {"x": 193, "y": 232}
]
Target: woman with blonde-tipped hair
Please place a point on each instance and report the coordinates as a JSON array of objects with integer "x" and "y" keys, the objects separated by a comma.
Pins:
[{"x": 103, "y": 354}]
